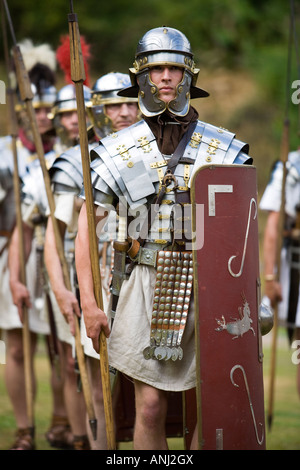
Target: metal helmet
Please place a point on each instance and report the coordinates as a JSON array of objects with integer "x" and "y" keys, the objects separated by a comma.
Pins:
[
  {"x": 40, "y": 63},
  {"x": 43, "y": 98},
  {"x": 43, "y": 91},
  {"x": 163, "y": 46},
  {"x": 66, "y": 99},
  {"x": 105, "y": 91},
  {"x": 66, "y": 102}
]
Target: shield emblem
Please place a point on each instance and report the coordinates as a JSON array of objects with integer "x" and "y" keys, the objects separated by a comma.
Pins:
[{"x": 230, "y": 396}]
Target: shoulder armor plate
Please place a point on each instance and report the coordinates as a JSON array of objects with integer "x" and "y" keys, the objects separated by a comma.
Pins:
[
  {"x": 129, "y": 161},
  {"x": 67, "y": 168}
]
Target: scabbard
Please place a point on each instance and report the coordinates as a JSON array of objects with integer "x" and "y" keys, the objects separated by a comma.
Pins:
[
  {"x": 53, "y": 330},
  {"x": 119, "y": 273}
]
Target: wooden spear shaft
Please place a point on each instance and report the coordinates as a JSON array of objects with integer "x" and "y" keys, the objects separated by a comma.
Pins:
[
  {"x": 78, "y": 77},
  {"x": 13, "y": 132},
  {"x": 284, "y": 158},
  {"x": 25, "y": 329},
  {"x": 27, "y": 96}
]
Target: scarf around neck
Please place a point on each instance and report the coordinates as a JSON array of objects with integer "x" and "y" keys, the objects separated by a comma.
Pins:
[
  {"x": 169, "y": 129},
  {"x": 47, "y": 144}
]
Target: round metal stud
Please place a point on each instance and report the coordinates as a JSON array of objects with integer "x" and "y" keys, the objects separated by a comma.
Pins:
[{"x": 160, "y": 353}]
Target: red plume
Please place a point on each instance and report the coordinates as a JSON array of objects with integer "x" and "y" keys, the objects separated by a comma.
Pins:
[{"x": 63, "y": 58}]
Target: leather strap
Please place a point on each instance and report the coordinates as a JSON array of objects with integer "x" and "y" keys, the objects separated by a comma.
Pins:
[{"x": 168, "y": 178}]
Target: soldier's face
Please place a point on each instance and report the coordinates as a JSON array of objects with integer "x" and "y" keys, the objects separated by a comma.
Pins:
[
  {"x": 43, "y": 122},
  {"x": 69, "y": 120},
  {"x": 166, "y": 78},
  {"x": 122, "y": 115}
]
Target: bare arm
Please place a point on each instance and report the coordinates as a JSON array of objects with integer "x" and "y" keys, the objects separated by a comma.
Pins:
[
  {"x": 272, "y": 287},
  {"x": 19, "y": 291},
  {"x": 95, "y": 319},
  {"x": 66, "y": 299}
]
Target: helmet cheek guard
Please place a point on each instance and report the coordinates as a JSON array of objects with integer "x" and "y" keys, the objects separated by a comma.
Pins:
[
  {"x": 149, "y": 102},
  {"x": 105, "y": 92},
  {"x": 100, "y": 121},
  {"x": 181, "y": 103}
]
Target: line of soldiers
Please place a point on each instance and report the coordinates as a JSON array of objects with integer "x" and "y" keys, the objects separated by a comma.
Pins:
[
  {"x": 44, "y": 295},
  {"x": 134, "y": 163}
]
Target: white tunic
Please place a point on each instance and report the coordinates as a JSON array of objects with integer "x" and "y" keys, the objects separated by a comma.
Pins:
[
  {"x": 130, "y": 336},
  {"x": 9, "y": 318}
]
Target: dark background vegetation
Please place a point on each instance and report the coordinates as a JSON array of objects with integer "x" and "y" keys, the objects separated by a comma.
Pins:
[{"x": 240, "y": 46}]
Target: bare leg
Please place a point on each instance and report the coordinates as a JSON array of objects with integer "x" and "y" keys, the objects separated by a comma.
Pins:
[
  {"x": 194, "y": 443},
  {"x": 74, "y": 400},
  {"x": 151, "y": 411},
  {"x": 15, "y": 383},
  {"x": 57, "y": 384},
  {"x": 14, "y": 374},
  {"x": 59, "y": 433}
]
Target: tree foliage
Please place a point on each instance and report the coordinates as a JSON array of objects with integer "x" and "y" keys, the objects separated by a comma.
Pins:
[
  {"x": 231, "y": 32},
  {"x": 249, "y": 35}
]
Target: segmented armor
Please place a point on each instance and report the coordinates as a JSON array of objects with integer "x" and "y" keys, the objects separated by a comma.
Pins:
[{"x": 130, "y": 166}]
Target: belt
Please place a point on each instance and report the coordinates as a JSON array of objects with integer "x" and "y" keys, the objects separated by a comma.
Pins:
[
  {"x": 148, "y": 254},
  {"x": 5, "y": 233}
]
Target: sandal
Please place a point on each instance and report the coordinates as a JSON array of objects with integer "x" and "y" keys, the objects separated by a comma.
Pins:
[
  {"x": 60, "y": 435},
  {"x": 81, "y": 443},
  {"x": 24, "y": 440}
]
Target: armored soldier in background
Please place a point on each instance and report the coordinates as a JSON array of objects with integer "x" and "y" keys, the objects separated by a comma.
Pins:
[
  {"x": 64, "y": 117},
  {"x": 151, "y": 164},
  {"x": 108, "y": 113},
  {"x": 284, "y": 292},
  {"x": 69, "y": 414},
  {"x": 40, "y": 63}
]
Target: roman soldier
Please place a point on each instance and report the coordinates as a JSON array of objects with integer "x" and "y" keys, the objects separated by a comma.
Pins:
[
  {"x": 107, "y": 113},
  {"x": 145, "y": 173},
  {"x": 40, "y": 63}
]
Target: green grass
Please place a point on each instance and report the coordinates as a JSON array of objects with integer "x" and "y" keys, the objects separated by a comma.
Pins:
[
  {"x": 42, "y": 406},
  {"x": 284, "y": 434},
  {"x": 285, "y": 431}
]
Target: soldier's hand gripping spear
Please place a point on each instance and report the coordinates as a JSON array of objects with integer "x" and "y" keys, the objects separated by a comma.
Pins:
[
  {"x": 13, "y": 132},
  {"x": 78, "y": 77},
  {"x": 27, "y": 96}
]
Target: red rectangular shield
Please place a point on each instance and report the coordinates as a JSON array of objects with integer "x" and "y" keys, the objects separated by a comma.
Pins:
[{"x": 230, "y": 396}]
